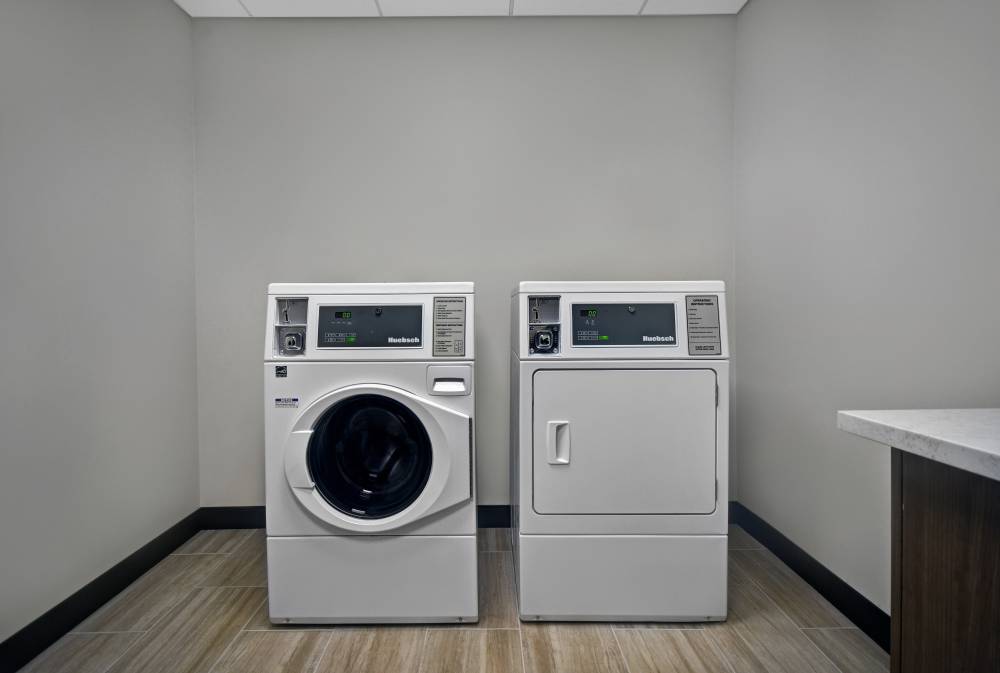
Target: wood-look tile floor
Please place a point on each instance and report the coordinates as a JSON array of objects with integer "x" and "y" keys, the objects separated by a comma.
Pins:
[{"x": 204, "y": 610}]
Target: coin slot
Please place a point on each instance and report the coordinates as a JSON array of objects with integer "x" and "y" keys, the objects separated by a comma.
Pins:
[{"x": 291, "y": 341}]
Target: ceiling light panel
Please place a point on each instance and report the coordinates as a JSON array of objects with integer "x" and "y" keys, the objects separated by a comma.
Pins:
[
  {"x": 576, "y": 7},
  {"x": 674, "y": 7},
  {"x": 445, "y": 7},
  {"x": 212, "y": 8},
  {"x": 316, "y": 8}
]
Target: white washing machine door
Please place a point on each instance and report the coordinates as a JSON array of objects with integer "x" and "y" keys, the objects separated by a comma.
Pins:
[{"x": 372, "y": 458}]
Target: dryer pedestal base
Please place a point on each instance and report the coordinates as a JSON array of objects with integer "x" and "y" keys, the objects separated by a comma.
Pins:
[
  {"x": 668, "y": 578},
  {"x": 355, "y": 579}
]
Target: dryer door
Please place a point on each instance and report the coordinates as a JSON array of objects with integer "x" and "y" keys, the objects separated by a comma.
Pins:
[
  {"x": 624, "y": 441},
  {"x": 373, "y": 458}
]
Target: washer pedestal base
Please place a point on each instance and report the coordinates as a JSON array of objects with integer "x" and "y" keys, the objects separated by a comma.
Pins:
[{"x": 372, "y": 579}]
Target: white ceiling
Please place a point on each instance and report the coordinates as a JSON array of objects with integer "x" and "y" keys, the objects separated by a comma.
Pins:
[{"x": 349, "y": 8}]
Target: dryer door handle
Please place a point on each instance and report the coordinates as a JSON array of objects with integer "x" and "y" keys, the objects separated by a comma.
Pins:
[{"x": 557, "y": 442}]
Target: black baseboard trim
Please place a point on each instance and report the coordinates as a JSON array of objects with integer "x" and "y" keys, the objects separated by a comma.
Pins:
[
  {"x": 866, "y": 615},
  {"x": 493, "y": 516},
  {"x": 214, "y": 518},
  {"x": 30, "y": 641}
]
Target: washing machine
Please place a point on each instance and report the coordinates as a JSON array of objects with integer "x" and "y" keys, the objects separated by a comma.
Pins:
[
  {"x": 619, "y": 450},
  {"x": 370, "y": 453}
]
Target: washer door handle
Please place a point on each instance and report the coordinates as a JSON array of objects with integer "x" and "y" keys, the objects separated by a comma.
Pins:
[
  {"x": 557, "y": 442},
  {"x": 296, "y": 466}
]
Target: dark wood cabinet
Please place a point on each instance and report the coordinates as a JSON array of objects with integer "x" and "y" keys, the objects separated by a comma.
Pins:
[{"x": 945, "y": 568}]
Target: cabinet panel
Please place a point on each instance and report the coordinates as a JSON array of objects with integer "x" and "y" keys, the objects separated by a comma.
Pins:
[{"x": 947, "y": 560}]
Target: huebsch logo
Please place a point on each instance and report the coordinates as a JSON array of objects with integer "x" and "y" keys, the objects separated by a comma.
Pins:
[
  {"x": 657, "y": 339},
  {"x": 403, "y": 340}
]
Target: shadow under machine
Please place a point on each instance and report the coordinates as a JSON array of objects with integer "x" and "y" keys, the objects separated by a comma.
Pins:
[
  {"x": 369, "y": 453},
  {"x": 619, "y": 447}
]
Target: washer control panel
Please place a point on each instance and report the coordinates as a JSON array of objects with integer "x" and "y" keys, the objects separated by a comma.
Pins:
[
  {"x": 354, "y": 322},
  {"x": 624, "y": 324},
  {"x": 355, "y": 326}
]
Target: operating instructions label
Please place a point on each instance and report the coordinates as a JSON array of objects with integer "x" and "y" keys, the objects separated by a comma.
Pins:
[
  {"x": 704, "y": 328},
  {"x": 449, "y": 327}
]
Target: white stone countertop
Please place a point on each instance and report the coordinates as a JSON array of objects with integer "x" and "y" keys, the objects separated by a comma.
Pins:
[{"x": 968, "y": 439}]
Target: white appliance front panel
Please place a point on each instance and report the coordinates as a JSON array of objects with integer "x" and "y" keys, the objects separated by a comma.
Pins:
[
  {"x": 377, "y": 579},
  {"x": 622, "y": 577},
  {"x": 624, "y": 441}
]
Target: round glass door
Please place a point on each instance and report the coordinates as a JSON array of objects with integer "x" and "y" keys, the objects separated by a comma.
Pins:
[{"x": 369, "y": 456}]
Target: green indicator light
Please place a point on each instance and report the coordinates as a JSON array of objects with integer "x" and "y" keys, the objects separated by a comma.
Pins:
[
  {"x": 604, "y": 337},
  {"x": 351, "y": 340}
]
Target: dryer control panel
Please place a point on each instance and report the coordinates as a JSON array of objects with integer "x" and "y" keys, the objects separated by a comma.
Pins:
[
  {"x": 632, "y": 320},
  {"x": 625, "y": 324}
]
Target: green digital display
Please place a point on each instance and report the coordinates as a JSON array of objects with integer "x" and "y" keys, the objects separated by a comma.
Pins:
[
  {"x": 342, "y": 315},
  {"x": 588, "y": 312}
]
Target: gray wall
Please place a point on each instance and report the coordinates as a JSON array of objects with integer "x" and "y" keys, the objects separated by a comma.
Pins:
[
  {"x": 867, "y": 235},
  {"x": 97, "y": 354},
  {"x": 493, "y": 151}
]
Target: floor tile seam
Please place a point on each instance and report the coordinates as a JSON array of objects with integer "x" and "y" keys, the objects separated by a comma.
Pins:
[
  {"x": 617, "y": 627},
  {"x": 243, "y": 542},
  {"x": 135, "y": 641},
  {"x": 766, "y": 593},
  {"x": 717, "y": 648},
  {"x": 621, "y": 651},
  {"x": 815, "y": 647},
  {"x": 829, "y": 628},
  {"x": 520, "y": 640},
  {"x": 236, "y": 635},
  {"x": 421, "y": 655},
  {"x": 322, "y": 655}
]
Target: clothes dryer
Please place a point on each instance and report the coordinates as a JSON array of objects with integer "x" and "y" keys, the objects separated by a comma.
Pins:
[{"x": 619, "y": 450}]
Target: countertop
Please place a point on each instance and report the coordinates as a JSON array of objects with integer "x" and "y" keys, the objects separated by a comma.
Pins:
[{"x": 968, "y": 439}]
